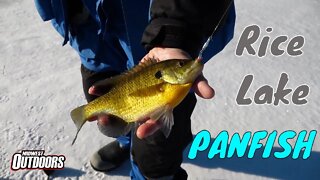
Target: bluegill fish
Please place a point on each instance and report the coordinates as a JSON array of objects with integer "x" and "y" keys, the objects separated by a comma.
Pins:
[{"x": 149, "y": 90}]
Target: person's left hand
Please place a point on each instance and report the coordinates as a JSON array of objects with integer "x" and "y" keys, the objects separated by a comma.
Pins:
[{"x": 150, "y": 126}]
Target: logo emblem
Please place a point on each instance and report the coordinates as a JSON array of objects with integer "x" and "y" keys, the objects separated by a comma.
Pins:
[{"x": 35, "y": 159}]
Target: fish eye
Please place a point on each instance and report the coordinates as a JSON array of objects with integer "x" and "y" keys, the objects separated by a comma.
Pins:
[
  {"x": 158, "y": 74},
  {"x": 181, "y": 63}
]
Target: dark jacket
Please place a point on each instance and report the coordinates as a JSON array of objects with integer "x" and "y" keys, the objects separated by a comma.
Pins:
[
  {"x": 107, "y": 33},
  {"x": 185, "y": 24}
]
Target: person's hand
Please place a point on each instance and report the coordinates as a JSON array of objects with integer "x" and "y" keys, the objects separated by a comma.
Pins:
[
  {"x": 200, "y": 86},
  {"x": 150, "y": 126}
]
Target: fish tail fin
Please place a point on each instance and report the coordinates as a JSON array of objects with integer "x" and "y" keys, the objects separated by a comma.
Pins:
[{"x": 77, "y": 115}]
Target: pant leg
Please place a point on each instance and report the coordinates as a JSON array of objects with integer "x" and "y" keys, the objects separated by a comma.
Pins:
[
  {"x": 135, "y": 173},
  {"x": 158, "y": 156},
  {"x": 88, "y": 79}
]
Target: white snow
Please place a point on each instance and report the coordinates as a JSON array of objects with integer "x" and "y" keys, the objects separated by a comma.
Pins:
[{"x": 40, "y": 83}]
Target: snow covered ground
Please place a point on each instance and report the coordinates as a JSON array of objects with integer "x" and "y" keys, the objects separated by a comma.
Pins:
[{"x": 40, "y": 83}]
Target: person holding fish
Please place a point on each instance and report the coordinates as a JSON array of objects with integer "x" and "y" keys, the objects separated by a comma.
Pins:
[{"x": 148, "y": 108}]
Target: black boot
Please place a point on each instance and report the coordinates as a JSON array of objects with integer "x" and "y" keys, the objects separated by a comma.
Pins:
[
  {"x": 181, "y": 174},
  {"x": 109, "y": 157}
]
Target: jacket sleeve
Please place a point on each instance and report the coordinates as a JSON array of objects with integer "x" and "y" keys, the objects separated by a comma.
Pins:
[{"x": 184, "y": 24}]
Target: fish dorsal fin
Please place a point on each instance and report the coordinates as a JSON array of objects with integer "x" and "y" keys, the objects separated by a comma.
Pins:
[
  {"x": 145, "y": 63},
  {"x": 109, "y": 83}
]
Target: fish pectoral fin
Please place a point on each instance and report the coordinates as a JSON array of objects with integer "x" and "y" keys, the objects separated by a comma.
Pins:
[
  {"x": 165, "y": 115},
  {"x": 78, "y": 118},
  {"x": 167, "y": 122}
]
